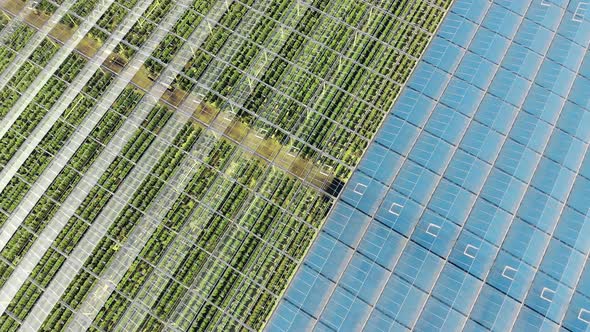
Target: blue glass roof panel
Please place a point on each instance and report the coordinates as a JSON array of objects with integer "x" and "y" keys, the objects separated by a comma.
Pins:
[
  {"x": 475, "y": 195},
  {"x": 456, "y": 288},
  {"x": 573, "y": 228},
  {"x": 529, "y": 320},
  {"x": 502, "y": 20},
  {"x": 494, "y": 310},
  {"x": 473, "y": 254},
  {"x": 473, "y": 9},
  {"x": 401, "y": 301},
  {"x": 457, "y": 29},
  {"x": 540, "y": 210},
  {"x": 547, "y": 297},
  {"x": 437, "y": 316},
  {"x": 534, "y": 36},
  {"x": 488, "y": 221},
  {"x": 577, "y": 318},
  {"x": 489, "y": 45},
  {"x": 522, "y": 61},
  {"x": 511, "y": 275},
  {"x": 381, "y": 163},
  {"x": 382, "y": 244},
  {"x": 543, "y": 104},
  {"x": 476, "y": 70},
  {"x": 444, "y": 54},
  {"x": 447, "y": 124}
]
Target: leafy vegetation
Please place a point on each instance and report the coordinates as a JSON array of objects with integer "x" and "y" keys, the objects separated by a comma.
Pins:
[{"x": 125, "y": 223}]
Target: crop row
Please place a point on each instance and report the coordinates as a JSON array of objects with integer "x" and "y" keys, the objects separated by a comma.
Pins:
[
  {"x": 4, "y": 20},
  {"x": 286, "y": 113},
  {"x": 338, "y": 112},
  {"x": 62, "y": 185},
  {"x": 87, "y": 213},
  {"x": 38, "y": 108},
  {"x": 82, "y": 9},
  {"x": 143, "y": 28},
  {"x": 28, "y": 120},
  {"x": 40, "y": 56},
  {"x": 378, "y": 90},
  {"x": 166, "y": 232},
  {"x": 342, "y": 79},
  {"x": 207, "y": 230},
  {"x": 52, "y": 142},
  {"x": 202, "y": 65},
  {"x": 214, "y": 279},
  {"x": 210, "y": 231},
  {"x": 219, "y": 34},
  {"x": 175, "y": 39},
  {"x": 212, "y": 237},
  {"x": 248, "y": 51},
  {"x": 57, "y": 136},
  {"x": 222, "y": 283},
  {"x": 202, "y": 56},
  {"x": 14, "y": 43},
  {"x": 290, "y": 49},
  {"x": 24, "y": 77},
  {"x": 206, "y": 55},
  {"x": 125, "y": 222},
  {"x": 26, "y": 74},
  {"x": 111, "y": 19},
  {"x": 331, "y": 128}
]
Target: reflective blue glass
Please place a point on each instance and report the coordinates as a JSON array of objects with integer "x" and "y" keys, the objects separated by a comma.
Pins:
[{"x": 471, "y": 208}]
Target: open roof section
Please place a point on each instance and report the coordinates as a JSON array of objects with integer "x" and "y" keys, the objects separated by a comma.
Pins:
[{"x": 470, "y": 209}]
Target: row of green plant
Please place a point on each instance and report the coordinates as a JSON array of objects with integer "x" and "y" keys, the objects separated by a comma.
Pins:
[
  {"x": 277, "y": 188},
  {"x": 222, "y": 281},
  {"x": 53, "y": 141},
  {"x": 38, "y": 107},
  {"x": 166, "y": 232},
  {"x": 48, "y": 205},
  {"x": 248, "y": 51},
  {"x": 390, "y": 69},
  {"x": 233, "y": 71},
  {"x": 97, "y": 85},
  {"x": 289, "y": 50},
  {"x": 342, "y": 83},
  {"x": 143, "y": 28},
  {"x": 176, "y": 38},
  {"x": 369, "y": 117},
  {"x": 23, "y": 237},
  {"x": 26, "y": 74},
  {"x": 299, "y": 87},
  {"x": 12, "y": 45},
  {"x": 122, "y": 226},
  {"x": 234, "y": 246},
  {"x": 81, "y": 9},
  {"x": 203, "y": 55},
  {"x": 111, "y": 19},
  {"x": 87, "y": 212},
  {"x": 78, "y": 12},
  {"x": 208, "y": 227},
  {"x": 359, "y": 96},
  {"x": 24, "y": 77},
  {"x": 4, "y": 20},
  {"x": 260, "y": 275}
]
